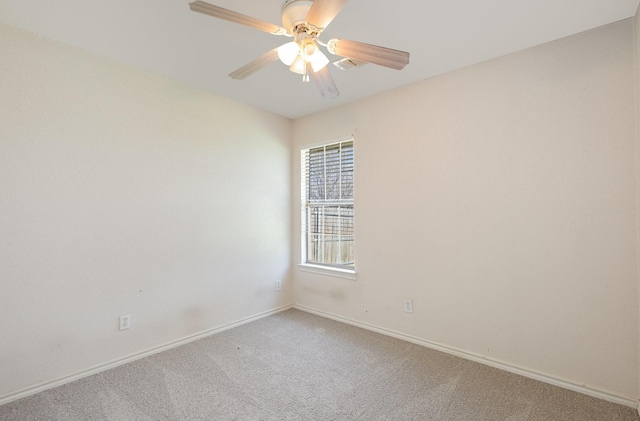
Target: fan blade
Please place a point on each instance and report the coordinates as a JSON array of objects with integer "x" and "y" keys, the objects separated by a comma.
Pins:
[
  {"x": 257, "y": 64},
  {"x": 219, "y": 12},
  {"x": 322, "y": 12},
  {"x": 375, "y": 54},
  {"x": 325, "y": 83}
]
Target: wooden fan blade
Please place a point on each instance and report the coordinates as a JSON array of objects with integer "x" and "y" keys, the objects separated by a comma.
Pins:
[
  {"x": 325, "y": 82},
  {"x": 322, "y": 12},
  {"x": 375, "y": 54},
  {"x": 231, "y": 16},
  {"x": 257, "y": 64}
]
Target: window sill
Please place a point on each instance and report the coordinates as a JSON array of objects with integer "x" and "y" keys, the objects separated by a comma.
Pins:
[{"x": 329, "y": 271}]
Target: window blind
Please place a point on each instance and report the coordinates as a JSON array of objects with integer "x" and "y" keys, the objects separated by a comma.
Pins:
[{"x": 327, "y": 211}]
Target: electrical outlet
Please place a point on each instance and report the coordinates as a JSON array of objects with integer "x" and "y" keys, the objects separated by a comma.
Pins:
[
  {"x": 125, "y": 322},
  {"x": 278, "y": 285},
  {"x": 408, "y": 306}
]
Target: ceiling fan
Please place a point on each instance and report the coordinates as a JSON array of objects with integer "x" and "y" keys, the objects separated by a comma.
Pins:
[{"x": 304, "y": 21}]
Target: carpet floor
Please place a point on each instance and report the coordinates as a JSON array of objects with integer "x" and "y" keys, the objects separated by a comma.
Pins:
[{"x": 298, "y": 366}]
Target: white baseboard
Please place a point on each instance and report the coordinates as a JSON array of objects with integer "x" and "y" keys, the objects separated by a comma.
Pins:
[
  {"x": 480, "y": 359},
  {"x": 32, "y": 390}
]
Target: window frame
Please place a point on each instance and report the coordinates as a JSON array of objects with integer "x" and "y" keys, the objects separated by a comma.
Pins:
[{"x": 337, "y": 270}]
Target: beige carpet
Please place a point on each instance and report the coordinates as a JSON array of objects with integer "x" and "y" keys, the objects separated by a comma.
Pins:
[{"x": 297, "y": 366}]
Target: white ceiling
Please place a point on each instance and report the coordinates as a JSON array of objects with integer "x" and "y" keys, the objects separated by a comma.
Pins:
[{"x": 165, "y": 37}]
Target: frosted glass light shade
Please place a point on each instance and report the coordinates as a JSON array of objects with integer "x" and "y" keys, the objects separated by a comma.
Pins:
[
  {"x": 288, "y": 52},
  {"x": 318, "y": 61},
  {"x": 299, "y": 66}
]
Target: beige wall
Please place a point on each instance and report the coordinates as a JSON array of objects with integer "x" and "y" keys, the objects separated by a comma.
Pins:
[
  {"x": 501, "y": 198},
  {"x": 122, "y": 192},
  {"x": 636, "y": 45}
]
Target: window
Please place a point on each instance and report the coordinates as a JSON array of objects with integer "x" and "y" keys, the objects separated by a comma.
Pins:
[{"x": 327, "y": 205}]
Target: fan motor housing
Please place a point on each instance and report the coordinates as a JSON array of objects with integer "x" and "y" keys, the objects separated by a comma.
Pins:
[{"x": 294, "y": 12}]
